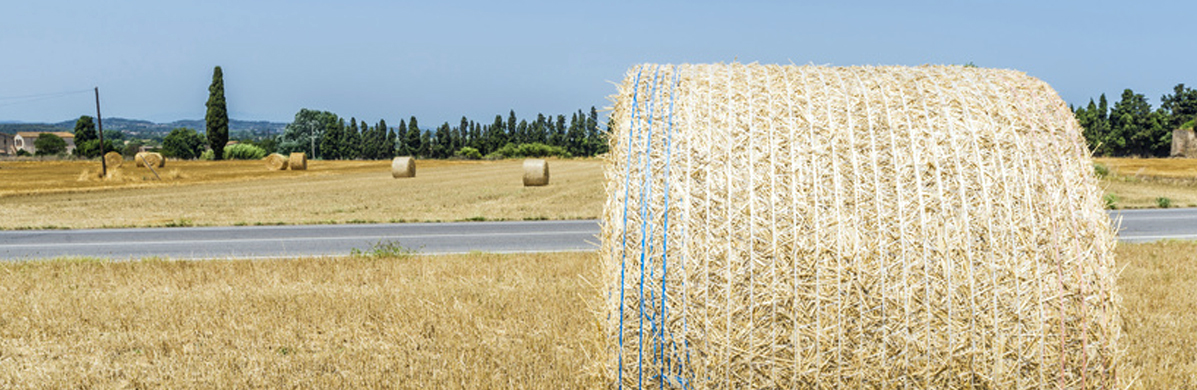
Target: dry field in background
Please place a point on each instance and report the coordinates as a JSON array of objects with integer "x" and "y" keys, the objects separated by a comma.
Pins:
[
  {"x": 468, "y": 321},
  {"x": 1137, "y": 182},
  {"x": 64, "y": 195}
]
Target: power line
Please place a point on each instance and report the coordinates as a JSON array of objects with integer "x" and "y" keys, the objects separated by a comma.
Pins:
[{"x": 14, "y": 100}]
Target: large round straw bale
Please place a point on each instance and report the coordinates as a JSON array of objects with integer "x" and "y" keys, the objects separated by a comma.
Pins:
[
  {"x": 154, "y": 159},
  {"x": 276, "y": 162},
  {"x": 536, "y": 172},
  {"x": 113, "y": 160},
  {"x": 298, "y": 162},
  {"x": 859, "y": 227},
  {"x": 403, "y": 166}
]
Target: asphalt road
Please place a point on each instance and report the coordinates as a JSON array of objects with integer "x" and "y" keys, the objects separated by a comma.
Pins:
[
  {"x": 1156, "y": 224},
  {"x": 453, "y": 237},
  {"x": 302, "y": 240}
]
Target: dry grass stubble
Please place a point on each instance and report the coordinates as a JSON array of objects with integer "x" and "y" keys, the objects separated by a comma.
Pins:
[
  {"x": 470, "y": 321},
  {"x": 234, "y": 193}
]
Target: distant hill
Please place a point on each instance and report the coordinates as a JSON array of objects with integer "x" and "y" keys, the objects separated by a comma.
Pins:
[
  {"x": 147, "y": 128},
  {"x": 13, "y": 128}
]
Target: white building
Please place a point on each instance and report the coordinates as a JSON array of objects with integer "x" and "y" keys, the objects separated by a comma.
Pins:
[{"x": 24, "y": 140}]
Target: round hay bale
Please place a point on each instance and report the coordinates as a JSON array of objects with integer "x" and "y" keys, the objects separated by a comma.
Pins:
[
  {"x": 856, "y": 227},
  {"x": 298, "y": 162},
  {"x": 154, "y": 159},
  {"x": 276, "y": 162},
  {"x": 404, "y": 166},
  {"x": 536, "y": 173},
  {"x": 113, "y": 160}
]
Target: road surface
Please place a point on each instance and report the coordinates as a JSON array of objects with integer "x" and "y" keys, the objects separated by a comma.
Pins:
[{"x": 453, "y": 237}]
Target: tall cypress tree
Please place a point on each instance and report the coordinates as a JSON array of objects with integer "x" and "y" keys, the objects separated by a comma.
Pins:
[
  {"x": 415, "y": 138},
  {"x": 498, "y": 135},
  {"x": 217, "y": 119},
  {"x": 425, "y": 143},
  {"x": 351, "y": 147},
  {"x": 401, "y": 139},
  {"x": 330, "y": 143},
  {"x": 513, "y": 134},
  {"x": 384, "y": 141}
]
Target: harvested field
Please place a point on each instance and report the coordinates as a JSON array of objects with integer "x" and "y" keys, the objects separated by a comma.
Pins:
[
  {"x": 469, "y": 321},
  {"x": 39, "y": 194},
  {"x": 1138, "y": 182},
  {"x": 200, "y": 193}
]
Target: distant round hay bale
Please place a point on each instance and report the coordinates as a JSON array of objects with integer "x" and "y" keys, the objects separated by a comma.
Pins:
[
  {"x": 298, "y": 162},
  {"x": 860, "y": 227},
  {"x": 536, "y": 173},
  {"x": 276, "y": 162},
  {"x": 154, "y": 159},
  {"x": 403, "y": 166},
  {"x": 113, "y": 160}
]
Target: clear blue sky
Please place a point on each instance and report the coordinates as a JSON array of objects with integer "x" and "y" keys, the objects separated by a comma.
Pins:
[{"x": 441, "y": 60}]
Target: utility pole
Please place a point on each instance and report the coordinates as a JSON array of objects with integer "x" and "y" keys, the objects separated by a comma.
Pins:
[{"x": 100, "y": 126}]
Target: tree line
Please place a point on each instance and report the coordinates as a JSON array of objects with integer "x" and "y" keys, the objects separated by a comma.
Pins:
[
  {"x": 325, "y": 135},
  {"x": 1132, "y": 127}
]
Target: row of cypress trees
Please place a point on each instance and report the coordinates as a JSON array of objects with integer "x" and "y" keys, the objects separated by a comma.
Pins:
[{"x": 327, "y": 136}]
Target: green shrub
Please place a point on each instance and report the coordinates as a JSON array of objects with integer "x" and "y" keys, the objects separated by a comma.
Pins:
[
  {"x": 1163, "y": 202},
  {"x": 468, "y": 153},
  {"x": 243, "y": 152},
  {"x": 208, "y": 155},
  {"x": 535, "y": 149},
  {"x": 49, "y": 144},
  {"x": 1101, "y": 170},
  {"x": 23, "y": 153},
  {"x": 391, "y": 249},
  {"x": 1111, "y": 201}
]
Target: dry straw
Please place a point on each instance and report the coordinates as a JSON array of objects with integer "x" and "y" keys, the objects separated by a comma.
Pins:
[
  {"x": 934, "y": 227},
  {"x": 298, "y": 162},
  {"x": 404, "y": 166},
  {"x": 536, "y": 173},
  {"x": 152, "y": 158},
  {"x": 275, "y": 162},
  {"x": 113, "y": 160}
]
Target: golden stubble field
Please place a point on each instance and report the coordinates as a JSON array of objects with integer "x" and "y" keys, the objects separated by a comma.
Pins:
[
  {"x": 1138, "y": 182},
  {"x": 458, "y": 322},
  {"x": 66, "y": 194}
]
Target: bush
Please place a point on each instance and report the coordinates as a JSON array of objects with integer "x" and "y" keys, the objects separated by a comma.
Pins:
[
  {"x": 1111, "y": 201},
  {"x": 535, "y": 149},
  {"x": 23, "y": 153},
  {"x": 468, "y": 153},
  {"x": 243, "y": 152},
  {"x": 1101, "y": 170},
  {"x": 1163, "y": 202},
  {"x": 208, "y": 155},
  {"x": 49, "y": 144},
  {"x": 91, "y": 149},
  {"x": 183, "y": 143}
]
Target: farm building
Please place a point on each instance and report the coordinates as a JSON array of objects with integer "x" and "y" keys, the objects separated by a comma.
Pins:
[
  {"x": 854, "y": 227},
  {"x": 1184, "y": 143},
  {"x": 6, "y": 147},
  {"x": 25, "y": 139}
]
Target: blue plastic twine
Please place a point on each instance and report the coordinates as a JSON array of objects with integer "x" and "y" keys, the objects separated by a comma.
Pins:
[
  {"x": 647, "y": 191},
  {"x": 627, "y": 181}
]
